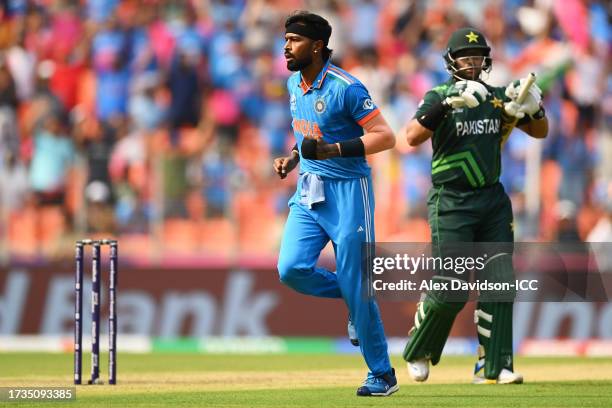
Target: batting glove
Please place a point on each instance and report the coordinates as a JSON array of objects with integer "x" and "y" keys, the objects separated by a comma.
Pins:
[
  {"x": 530, "y": 106},
  {"x": 466, "y": 93}
]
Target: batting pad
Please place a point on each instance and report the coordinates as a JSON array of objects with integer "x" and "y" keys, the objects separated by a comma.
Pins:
[
  {"x": 432, "y": 324},
  {"x": 494, "y": 324},
  {"x": 494, "y": 319}
]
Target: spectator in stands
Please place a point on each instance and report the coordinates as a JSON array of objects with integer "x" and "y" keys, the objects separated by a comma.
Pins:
[
  {"x": 146, "y": 111},
  {"x": 218, "y": 173},
  {"x": 9, "y": 137},
  {"x": 52, "y": 157},
  {"x": 8, "y": 92},
  {"x": 174, "y": 68},
  {"x": 185, "y": 88}
]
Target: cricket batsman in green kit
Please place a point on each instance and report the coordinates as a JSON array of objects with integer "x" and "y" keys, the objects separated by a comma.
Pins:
[{"x": 468, "y": 122}]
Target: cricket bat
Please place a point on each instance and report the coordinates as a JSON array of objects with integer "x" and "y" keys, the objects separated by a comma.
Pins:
[{"x": 524, "y": 91}]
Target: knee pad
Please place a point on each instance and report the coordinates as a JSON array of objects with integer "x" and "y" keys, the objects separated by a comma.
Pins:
[{"x": 498, "y": 270}]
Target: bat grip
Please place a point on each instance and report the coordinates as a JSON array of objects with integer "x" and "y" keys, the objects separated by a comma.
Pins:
[{"x": 531, "y": 78}]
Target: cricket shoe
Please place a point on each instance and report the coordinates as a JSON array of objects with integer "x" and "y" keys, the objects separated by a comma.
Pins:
[
  {"x": 352, "y": 332},
  {"x": 505, "y": 376},
  {"x": 381, "y": 386},
  {"x": 419, "y": 369}
]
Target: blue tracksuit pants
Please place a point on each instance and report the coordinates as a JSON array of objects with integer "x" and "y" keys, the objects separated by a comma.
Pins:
[{"x": 346, "y": 217}]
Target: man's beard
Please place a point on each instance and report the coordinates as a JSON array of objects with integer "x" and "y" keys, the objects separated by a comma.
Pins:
[
  {"x": 473, "y": 77},
  {"x": 299, "y": 64},
  {"x": 464, "y": 74}
]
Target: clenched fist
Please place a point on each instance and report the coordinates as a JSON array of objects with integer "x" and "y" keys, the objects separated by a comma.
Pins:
[{"x": 284, "y": 165}]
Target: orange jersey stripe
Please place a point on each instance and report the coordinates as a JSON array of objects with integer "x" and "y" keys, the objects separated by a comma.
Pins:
[
  {"x": 367, "y": 117},
  {"x": 303, "y": 86},
  {"x": 342, "y": 74},
  {"x": 322, "y": 79}
]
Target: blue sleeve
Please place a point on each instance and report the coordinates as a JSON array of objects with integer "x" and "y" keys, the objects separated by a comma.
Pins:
[{"x": 358, "y": 103}]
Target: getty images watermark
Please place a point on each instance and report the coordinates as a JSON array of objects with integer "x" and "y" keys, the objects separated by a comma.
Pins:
[
  {"x": 458, "y": 265},
  {"x": 504, "y": 272}
]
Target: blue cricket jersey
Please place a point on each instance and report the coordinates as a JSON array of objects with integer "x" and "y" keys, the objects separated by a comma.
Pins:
[{"x": 336, "y": 106}]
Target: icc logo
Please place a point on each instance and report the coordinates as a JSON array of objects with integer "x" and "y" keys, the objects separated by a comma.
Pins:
[
  {"x": 368, "y": 104},
  {"x": 319, "y": 105}
]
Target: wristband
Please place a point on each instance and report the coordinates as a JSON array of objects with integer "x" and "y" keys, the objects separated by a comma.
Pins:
[
  {"x": 295, "y": 149},
  {"x": 434, "y": 115},
  {"x": 309, "y": 149},
  {"x": 352, "y": 148}
]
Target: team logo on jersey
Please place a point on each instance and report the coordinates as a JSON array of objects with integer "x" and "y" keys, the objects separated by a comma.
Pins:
[
  {"x": 293, "y": 102},
  {"x": 497, "y": 103},
  {"x": 368, "y": 104},
  {"x": 319, "y": 105}
]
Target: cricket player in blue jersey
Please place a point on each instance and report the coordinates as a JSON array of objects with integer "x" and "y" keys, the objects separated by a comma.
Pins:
[{"x": 334, "y": 199}]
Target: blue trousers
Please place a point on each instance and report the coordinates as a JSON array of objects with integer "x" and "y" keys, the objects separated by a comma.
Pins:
[{"x": 345, "y": 217}]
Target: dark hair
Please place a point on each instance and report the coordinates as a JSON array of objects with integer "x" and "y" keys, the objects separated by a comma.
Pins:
[{"x": 317, "y": 22}]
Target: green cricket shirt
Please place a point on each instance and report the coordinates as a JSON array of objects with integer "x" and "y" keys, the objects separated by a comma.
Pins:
[{"x": 467, "y": 144}]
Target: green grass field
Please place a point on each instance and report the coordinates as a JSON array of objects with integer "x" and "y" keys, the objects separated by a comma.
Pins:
[{"x": 198, "y": 380}]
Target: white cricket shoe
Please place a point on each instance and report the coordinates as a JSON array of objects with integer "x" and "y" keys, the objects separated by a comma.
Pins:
[
  {"x": 419, "y": 369},
  {"x": 508, "y": 377},
  {"x": 505, "y": 376}
]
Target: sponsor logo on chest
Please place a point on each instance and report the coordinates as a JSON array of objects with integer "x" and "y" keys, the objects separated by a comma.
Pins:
[{"x": 477, "y": 127}]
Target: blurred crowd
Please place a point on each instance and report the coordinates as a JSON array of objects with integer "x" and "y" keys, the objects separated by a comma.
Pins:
[{"x": 157, "y": 121}]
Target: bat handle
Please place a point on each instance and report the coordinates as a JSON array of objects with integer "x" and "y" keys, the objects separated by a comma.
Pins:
[{"x": 531, "y": 78}]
